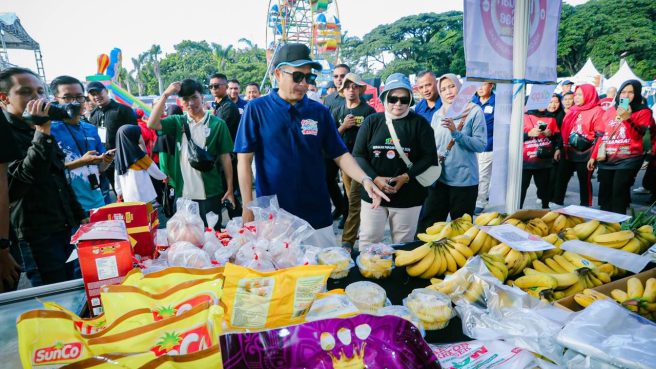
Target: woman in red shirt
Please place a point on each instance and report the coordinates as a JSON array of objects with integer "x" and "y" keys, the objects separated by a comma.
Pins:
[
  {"x": 620, "y": 153},
  {"x": 540, "y": 149},
  {"x": 579, "y": 132}
]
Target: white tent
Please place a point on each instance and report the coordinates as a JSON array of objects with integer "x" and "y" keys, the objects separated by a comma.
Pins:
[
  {"x": 623, "y": 74},
  {"x": 588, "y": 74}
]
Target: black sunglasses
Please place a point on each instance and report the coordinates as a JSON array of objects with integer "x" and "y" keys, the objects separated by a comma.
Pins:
[
  {"x": 339, "y": 75},
  {"x": 297, "y": 77},
  {"x": 218, "y": 85},
  {"x": 405, "y": 100}
]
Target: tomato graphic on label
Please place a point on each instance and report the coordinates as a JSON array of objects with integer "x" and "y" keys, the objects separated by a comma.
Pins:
[
  {"x": 59, "y": 352},
  {"x": 173, "y": 343},
  {"x": 163, "y": 312}
]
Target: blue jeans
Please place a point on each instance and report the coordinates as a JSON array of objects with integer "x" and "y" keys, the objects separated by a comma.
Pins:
[{"x": 44, "y": 258}]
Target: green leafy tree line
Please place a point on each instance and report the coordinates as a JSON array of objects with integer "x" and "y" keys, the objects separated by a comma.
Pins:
[{"x": 603, "y": 30}]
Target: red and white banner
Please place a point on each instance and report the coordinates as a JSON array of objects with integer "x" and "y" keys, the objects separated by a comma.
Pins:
[{"x": 488, "y": 33}]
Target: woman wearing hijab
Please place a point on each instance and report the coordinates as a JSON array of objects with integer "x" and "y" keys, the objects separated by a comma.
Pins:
[
  {"x": 555, "y": 107},
  {"x": 134, "y": 167},
  {"x": 540, "y": 150},
  {"x": 377, "y": 155},
  {"x": 620, "y": 153},
  {"x": 457, "y": 141},
  {"x": 579, "y": 132}
]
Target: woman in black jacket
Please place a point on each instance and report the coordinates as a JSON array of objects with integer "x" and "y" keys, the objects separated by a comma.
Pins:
[{"x": 378, "y": 157}]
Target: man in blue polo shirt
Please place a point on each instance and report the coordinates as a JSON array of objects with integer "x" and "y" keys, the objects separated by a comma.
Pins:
[
  {"x": 288, "y": 135},
  {"x": 484, "y": 97},
  {"x": 427, "y": 85}
]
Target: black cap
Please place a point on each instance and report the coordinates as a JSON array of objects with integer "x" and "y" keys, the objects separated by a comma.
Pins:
[
  {"x": 295, "y": 55},
  {"x": 95, "y": 86}
]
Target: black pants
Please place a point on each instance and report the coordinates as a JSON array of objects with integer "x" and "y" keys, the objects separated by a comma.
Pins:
[
  {"x": 615, "y": 189},
  {"x": 541, "y": 177},
  {"x": 48, "y": 254},
  {"x": 212, "y": 204},
  {"x": 565, "y": 171},
  {"x": 444, "y": 200},
  {"x": 236, "y": 210},
  {"x": 337, "y": 197}
]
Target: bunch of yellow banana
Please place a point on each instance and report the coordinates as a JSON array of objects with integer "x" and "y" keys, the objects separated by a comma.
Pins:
[
  {"x": 554, "y": 240},
  {"x": 496, "y": 265},
  {"x": 461, "y": 285},
  {"x": 589, "y": 296},
  {"x": 638, "y": 298},
  {"x": 534, "y": 226},
  {"x": 477, "y": 240},
  {"x": 558, "y": 222},
  {"x": 450, "y": 229},
  {"x": 434, "y": 258},
  {"x": 489, "y": 219},
  {"x": 624, "y": 240},
  {"x": 568, "y": 274},
  {"x": 515, "y": 260}
]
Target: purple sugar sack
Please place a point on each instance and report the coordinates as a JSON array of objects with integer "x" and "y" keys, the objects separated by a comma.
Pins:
[{"x": 362, "y": 341}]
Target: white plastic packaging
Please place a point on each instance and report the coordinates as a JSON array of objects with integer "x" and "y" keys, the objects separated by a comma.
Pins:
[
  {"x": 186, "y": 224},
  {"x": 188, "y": 255},
  {"x": 608, "y": 332},
  {"x": 483, "y": 355}
]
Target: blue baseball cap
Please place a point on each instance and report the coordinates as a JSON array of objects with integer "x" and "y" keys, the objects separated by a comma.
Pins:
[
  {"x": 295, "y": 55},
  {"x": 394, "y": 81}
]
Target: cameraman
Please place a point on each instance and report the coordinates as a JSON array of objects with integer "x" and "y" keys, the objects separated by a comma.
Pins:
[
  {"x": 43, "y": 205},
  {"x": 86, "y": 156}
]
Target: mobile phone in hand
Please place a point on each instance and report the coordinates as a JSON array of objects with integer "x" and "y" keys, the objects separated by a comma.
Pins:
[{"x": 624, "y": 103}]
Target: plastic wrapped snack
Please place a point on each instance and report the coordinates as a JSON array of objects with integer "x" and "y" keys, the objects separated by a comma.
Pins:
[
  {"x": 208, "y": 358},
  {"x": 484, "y": 355},
  {"x": 376, "y": 261},
  {"x": 367, "y": 296},
  {"x": 186, "y": 254},
  {"x": 186, "y": 224},
  {"x": 431, "y": 307},
  {"x": 402, "y": 312},
  {"x": 338, "y": 257},
  {"x": 331, "y": 304},
  {"x": 163, "y": 280}
]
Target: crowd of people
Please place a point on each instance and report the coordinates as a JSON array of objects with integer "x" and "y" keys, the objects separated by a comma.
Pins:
[{"x": 407, "y": 166}]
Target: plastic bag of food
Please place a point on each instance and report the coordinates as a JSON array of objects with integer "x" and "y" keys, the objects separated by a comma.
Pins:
[
  {"x": 195, "y": 330},
  {"x": 338, "y": 257},
  {"x": 367, "y": 296},
  {"x": 188, "y": 255},
  {"x": 608, "y": 332},
  {"x": 173, "y": 302},
  {"x": 209, "y": 358},
  {"x": 361, "y": 341},
  {"x": 431, "y": 307},
  {"x": 484, "y": 355},
  {"x": 48, "y": 338},
  {"x": 275, "y": 224},
  {"x": 211, "y": 242},
  {"x": 84, "y": 325},
  {"x": 261, "y": 300},
  {"x": 331, "y": 304},
  {"x": 310, "y": 254},
  {"x": 402, "y": 312},
  {"x": 113, "y": 361},
  {"x": 186, "y": 224},
  {"x": 376, "y": 261},
  {"x": 163, "y": 280},
  {"x": 286, "y": 254}
]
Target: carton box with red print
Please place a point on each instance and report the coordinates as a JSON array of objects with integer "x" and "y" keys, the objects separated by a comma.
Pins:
[
  {"x": 140, "y": 219},
  {"x": 105, "y": 255}
]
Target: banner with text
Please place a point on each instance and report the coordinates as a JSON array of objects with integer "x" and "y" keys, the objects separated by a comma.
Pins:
[{"x": 488, "y": 33}]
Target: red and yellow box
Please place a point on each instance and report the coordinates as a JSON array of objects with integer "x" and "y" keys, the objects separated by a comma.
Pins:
[
  {"x": 140, "y": 219},
  {"x": 105, "y": 255}
]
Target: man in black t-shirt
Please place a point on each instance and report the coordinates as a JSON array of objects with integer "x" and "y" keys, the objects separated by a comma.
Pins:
[
  {"x": 110, "y": 115},
  {"x": 334, "y": 99},
  {"x": 349, "y": 116}
]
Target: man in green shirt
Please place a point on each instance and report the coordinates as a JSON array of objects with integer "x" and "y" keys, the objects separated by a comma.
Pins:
[{"x": 207, "y": 132}]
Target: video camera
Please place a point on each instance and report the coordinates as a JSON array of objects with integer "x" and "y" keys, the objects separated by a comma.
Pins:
[{"x": 56, "y": 112}]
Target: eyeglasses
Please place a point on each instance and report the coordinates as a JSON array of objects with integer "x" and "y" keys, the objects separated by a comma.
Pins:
[
  {"x": 404, "y": 100},
  {"x": 69, "y": 99},
  {"x": 216, "y": 86},
  {"x": 297, "y": 77},
  {"x": 339, "y": 75}
]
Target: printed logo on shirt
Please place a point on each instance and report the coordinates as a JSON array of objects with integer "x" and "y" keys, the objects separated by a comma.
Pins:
[
  {"x": 488, "y": 109},
  {"x": 391, "y": 154},
  {"x": 377, "y": 153},
  {"x": 310, "y": 127},
  {"x": 389, "y": 141}
]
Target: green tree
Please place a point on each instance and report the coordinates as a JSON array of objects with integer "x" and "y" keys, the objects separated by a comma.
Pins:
[{"x": 154, "y": 53}]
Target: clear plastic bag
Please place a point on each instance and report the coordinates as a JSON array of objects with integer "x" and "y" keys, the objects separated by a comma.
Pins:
[
  {"x": 338, "y": 257},
  {"x": 431, "y": 307},
  {"x": 332, "y": 305},
  {"x": 367, "y": 296},
  {"x": 607, "y": 332},
  {"x": 212, "y": 243},
  {"x": 186, "y": 224},
  {"x": 186, "y": 254},
  {"x": 490, "y": 311}
]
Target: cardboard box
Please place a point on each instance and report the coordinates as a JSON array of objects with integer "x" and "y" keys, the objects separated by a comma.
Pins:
[
  {"x": 105, "y": 255},
  {"x": 568, "y": 302},
  {"x": 141, "y": 222}
]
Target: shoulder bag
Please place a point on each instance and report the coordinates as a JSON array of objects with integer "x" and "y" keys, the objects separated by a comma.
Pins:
[
  {"x": 199, "y": 158},
  {"x": 427, "y": 177}
]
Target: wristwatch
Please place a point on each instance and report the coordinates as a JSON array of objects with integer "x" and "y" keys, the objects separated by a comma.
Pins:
[{"x": 4, "y": 243}]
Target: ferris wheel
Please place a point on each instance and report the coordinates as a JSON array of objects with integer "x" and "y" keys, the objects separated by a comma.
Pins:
[{"x": 311, "y": 22}]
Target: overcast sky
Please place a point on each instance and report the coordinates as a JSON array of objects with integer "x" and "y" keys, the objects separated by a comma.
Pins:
[{"x": 72, "y": 33}]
